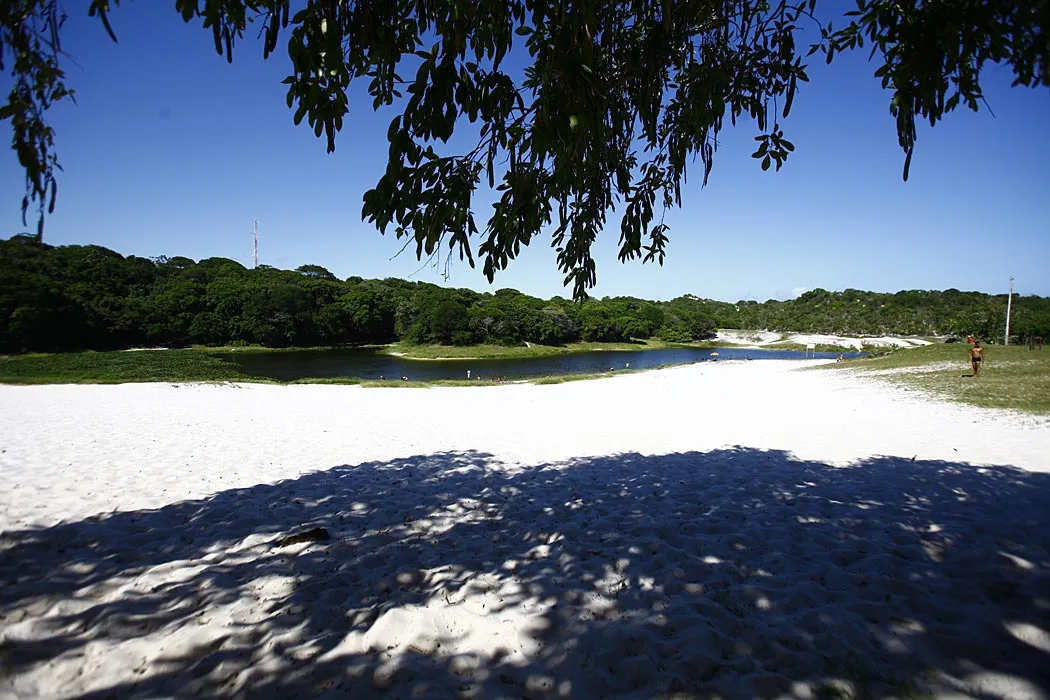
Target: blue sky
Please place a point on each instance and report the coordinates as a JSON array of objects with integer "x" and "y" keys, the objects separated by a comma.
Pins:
[{"x": 170, "y": 151}]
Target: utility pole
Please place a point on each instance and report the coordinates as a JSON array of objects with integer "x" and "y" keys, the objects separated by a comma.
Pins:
[
  {"x": 255, "y": 258},
  {"x": 1009, "y": 303}
]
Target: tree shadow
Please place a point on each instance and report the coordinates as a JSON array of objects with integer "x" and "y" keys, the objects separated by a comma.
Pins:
[{"x": 736, "y": 573}]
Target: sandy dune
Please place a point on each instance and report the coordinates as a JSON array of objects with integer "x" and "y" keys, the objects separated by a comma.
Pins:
[
  {"x": 731, "y": 529},
  {"x": 759, "y": 339}
]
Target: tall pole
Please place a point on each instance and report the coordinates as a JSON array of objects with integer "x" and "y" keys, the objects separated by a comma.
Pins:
[
  {"x": 255, "y": 258},
  {"x": 1009, "y": 303}
]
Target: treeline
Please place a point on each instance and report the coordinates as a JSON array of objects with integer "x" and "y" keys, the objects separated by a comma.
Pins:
[
  {"x": 912, "y": 312},
  {"x": 80, "y": 297}
]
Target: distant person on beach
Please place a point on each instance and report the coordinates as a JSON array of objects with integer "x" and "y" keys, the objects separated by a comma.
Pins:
[
  {"x": 468, "y": 374},
  {"x": 976, "y": 357},
  {"x": 840, "y": 358}
]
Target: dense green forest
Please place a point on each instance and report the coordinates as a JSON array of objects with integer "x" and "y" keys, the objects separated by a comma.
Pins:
[{"x": 81, "y": 297}]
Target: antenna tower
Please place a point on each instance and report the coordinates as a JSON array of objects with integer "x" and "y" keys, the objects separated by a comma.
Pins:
[{"x": 255, "y": 257}]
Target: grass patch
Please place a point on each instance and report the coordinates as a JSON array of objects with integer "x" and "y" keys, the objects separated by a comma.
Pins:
[
  {"x": 1011, "y": 377},
  {"x": 263, "y": 348},
  {"x": 117, "y": 367},
  {"x": 577, "y": 377},
  {"x": 255, "y": 348},
  {"x": 487, "y": 352},
  {"x": 327, "y": 380},
  {"x": 469, "y": 352},
  {"x": 555, "y": 379},
  {"x": 398, "y": 384}
]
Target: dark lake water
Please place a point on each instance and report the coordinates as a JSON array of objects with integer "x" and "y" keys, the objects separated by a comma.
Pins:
[{"x": 370, "y": 364}]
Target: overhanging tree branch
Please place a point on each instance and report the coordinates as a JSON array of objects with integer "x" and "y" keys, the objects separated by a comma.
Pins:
[{"x": 613, "y": 101}]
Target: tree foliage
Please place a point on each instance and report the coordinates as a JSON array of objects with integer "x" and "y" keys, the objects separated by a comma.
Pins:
[
  {"x": 88, "y": 297},
  {"x": 932, "y": 52},
  {"x": 580, "y": 108}
]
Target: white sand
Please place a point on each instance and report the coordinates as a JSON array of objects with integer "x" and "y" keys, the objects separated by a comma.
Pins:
[
  {"x": 759, "y": 339},
  {"x": 732, "y": 529}
]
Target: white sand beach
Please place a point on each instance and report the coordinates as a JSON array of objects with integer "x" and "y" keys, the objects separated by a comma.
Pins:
[
  {"x": 734, "y": 530},
  {"x": 761, "y": 339}
]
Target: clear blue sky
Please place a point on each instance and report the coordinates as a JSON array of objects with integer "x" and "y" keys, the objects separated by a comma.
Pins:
[{"x": 170, "y": 151}]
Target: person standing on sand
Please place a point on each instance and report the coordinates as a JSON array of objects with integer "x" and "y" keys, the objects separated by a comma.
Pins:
[{"x": 976, "y": 357}]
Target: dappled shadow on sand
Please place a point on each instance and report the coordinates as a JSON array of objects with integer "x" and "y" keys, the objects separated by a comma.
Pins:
[{"x": 733, "y": 573}]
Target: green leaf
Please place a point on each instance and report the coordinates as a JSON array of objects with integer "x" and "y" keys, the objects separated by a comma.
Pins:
[{"x": 105, "y": 21}]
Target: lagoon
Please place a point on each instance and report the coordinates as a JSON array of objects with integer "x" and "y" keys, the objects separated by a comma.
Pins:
[{"x": 371, "y": 363}]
